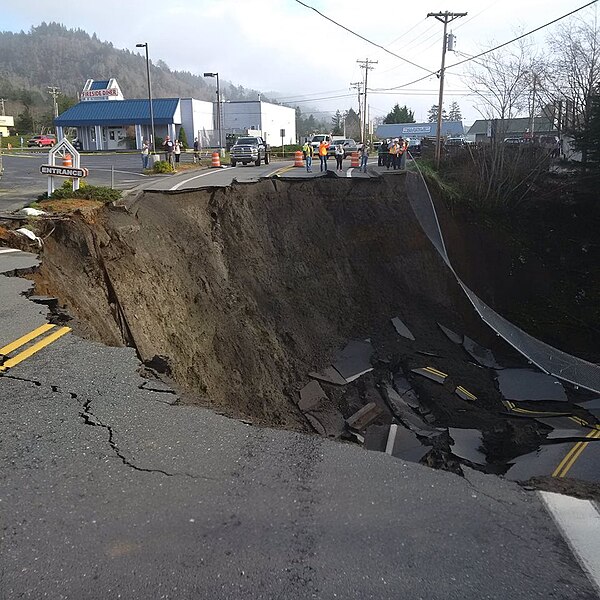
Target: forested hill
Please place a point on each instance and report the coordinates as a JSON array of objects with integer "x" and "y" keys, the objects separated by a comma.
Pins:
[{"x": 52, "y": 55}]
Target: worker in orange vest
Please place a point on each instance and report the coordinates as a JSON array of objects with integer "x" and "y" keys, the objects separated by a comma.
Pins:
[
  {"x": 391, "y": 158},
  {"x": 323, "y": 149}
]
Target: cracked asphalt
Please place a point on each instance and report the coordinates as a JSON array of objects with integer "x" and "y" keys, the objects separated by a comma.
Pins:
[{"x": 111, "y": 488}]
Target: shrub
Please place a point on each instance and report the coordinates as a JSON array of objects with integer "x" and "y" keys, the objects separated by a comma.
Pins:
[
  {"x": 162, "y": 166},
  {"x": 85, "y": 192}
]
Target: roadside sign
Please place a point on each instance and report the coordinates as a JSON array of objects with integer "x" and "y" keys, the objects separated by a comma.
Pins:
[
  {"x": 282, "y": 133},
  {"x": 63, "y": 171}
]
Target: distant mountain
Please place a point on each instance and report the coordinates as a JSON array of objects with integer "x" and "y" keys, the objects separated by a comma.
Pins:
[{"x": 52, "y": 55}]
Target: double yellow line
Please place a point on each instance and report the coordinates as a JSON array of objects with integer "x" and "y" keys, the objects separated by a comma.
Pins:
[
  {"x": 435, "y": 372},
  {"x": 569, "y": 460},
  {"x": 30, "y": 350},
  {"x": 466, "y": 392}
]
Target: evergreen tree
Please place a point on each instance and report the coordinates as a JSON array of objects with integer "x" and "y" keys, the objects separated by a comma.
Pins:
[
  {"x": 432, "y": 115},
  {"x": 182, "y": 138},
  {"x": 587, "y": 139},
  {"x": 352, "y": 125},
  {"x": 337, "y": 123},
  {"x": 400, "y": 115},
  {"x": 454, "y": 114},
  {"x": 24, "y": 122}
]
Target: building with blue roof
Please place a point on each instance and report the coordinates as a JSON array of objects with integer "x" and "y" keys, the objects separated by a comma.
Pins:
[
  {"x": 419, "y": 131},
  {"x": 105, "y": 120}
]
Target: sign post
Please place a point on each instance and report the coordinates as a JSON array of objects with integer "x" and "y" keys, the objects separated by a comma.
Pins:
[
  {"x": 69, "y": 167},
  {"x": 282, "y": 134}
]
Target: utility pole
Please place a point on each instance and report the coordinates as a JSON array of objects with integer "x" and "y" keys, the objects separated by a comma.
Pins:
[
  {"x": 2, "y": 101},
  {"x": 445, "y": 18},
  {"x": 532, "y": 127},
  {"x": 358, "y": 86},
  {"x": 366, "y": 65},
  {"x": 55, "y": 93}
]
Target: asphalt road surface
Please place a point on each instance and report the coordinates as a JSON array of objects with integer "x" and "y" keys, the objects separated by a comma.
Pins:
[{"x": 111, "y": 489}]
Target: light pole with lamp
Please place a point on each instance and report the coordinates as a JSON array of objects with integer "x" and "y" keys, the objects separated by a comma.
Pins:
[
  {"x": 145, "y": 45},
  {"x": 219, "y": 128}
]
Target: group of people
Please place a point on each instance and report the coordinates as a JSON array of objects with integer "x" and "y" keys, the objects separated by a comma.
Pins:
[
  {"x": 172, "y": 151},
  {"x": 392, "y": 153},
  {"x": 339, "y": 153}
]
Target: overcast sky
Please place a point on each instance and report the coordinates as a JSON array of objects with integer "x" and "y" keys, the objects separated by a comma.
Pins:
[{"x": 281, "y": 46}]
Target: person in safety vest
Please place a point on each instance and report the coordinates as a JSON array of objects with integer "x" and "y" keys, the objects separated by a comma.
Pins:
[
  {"x": 323, "y": 149},
  {"x": 399, "y": 154},
  {"x": 391, "y": 157},
  {"x": 308, "y": 152}
]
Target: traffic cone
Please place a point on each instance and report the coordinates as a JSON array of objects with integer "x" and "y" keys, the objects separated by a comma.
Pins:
[
  {"x": 67, "y": 160},
  {"x": 298, "y": 160},
  {"x": 216, "y": 161},
  {"x": 354, "y": 160}
]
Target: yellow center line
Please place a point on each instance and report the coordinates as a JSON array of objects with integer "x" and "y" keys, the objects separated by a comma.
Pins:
[
  {"x": 569, "y": 460},
  {"x": 435, "y": 371},
  {"x": 467, "y": 392},
  {"x": 26, "y": 338},
  {"x": 281, "y": 170},
  {"x": 35, "y": 348}
]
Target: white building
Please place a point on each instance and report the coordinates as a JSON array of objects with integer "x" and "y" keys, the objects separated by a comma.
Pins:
[
  {"x": 5, "y": 123},
  {"x": 267, "y": 118}
]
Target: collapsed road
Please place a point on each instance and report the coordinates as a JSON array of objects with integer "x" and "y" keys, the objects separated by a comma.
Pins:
[{"x": 319, "y": 307}]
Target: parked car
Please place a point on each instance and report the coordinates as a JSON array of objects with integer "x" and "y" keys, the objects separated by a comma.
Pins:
[
  {"x": 455, "y": 142},
  {"x": 349, "y": 146},
  {"x": 250, "y": 149},
  {"x": 414, "y": 148},
  {"x": 42, "y": 140},
  {"x": 513, "y": 141},
  {"x": 77, "y": 144}
]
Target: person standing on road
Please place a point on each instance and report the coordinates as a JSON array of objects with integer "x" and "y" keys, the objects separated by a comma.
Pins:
[
  {"x": 196, "y": 151},
  {"x": 177, "y": 152},
  {"x": 308, "y": 152},
  {"x": 339, "y": 157},
  {"x": 391, "y": 156},
  {"x": 323, "y": 149},
  {"x": 364, "y": 157},
  {"x": 382, "y": 153},
  {"x": 145, "y": 154},
  {"x": 168, "y": 148}
]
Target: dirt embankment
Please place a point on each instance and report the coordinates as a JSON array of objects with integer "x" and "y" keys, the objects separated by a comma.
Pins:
[{"x": 246, "y": 289}]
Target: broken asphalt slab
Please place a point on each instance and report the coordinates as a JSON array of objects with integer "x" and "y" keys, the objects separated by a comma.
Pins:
[
  {"x": 402, "y": 329},
  {"x": 467, "y": 444},
  {"x": 483, "y": 356},
  {"x": 529, "y": 385}
]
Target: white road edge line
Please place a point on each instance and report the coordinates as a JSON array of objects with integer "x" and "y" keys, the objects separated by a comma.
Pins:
[
  {"x": 349, "y": 172},
  {"x": 7, "y": 250},
  {"x": 579, "y": 522},
  {"x": 178, "y": 185}
]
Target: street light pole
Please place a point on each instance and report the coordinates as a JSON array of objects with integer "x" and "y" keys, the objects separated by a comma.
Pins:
[
  {"x": 145, "y": 45},
  {"x": 219, "y": 125}
]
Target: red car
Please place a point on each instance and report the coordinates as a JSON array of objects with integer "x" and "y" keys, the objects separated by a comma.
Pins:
[{"x": 42, "y": 140}]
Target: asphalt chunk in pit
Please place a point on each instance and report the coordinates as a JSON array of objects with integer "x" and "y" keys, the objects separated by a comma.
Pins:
[
  {"x": 402, "y": 329},
  {"x": 467, "y": 444},
  {"x": 453, "y": 337},
  {"x": 529, "y": 385},
  {"x": 483, "y": 356}
]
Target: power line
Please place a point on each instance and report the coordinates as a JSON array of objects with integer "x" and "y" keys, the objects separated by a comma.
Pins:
[
  {"x": 523, "y": 35},
  {"x": 362, "y": 37},
  {"x": 397, "y": 87}
]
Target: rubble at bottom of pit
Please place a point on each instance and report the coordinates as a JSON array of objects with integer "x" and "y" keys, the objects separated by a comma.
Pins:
[{"x": 368, "y": 397}]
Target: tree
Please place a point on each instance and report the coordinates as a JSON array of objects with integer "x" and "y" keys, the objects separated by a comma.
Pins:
[
  {"x": 400, "y": 115},
  {"x": 454, "y": 114},
  {"x": 337, "y": 123},
  {"x": 432, "y": 115},
  {"x": 183, "y": 137},
  {"x": 24, "y": 122},
  {"x": 352, "y": 125},
  {"x": 588, "y": 138},
  {"x": 575, "y": 73}
]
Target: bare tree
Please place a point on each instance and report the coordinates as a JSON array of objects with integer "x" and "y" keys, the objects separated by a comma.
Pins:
[{"x": 576, "y": 51}]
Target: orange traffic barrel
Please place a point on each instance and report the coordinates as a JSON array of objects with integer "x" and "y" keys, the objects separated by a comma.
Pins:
[
  {"x": 298, "y": 160},
  {"x": 216, "y": 161},
  {"x": 354, "y": 160},
  {"x": 67, "y": 160}
]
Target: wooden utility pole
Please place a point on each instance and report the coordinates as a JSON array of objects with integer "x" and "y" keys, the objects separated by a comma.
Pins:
[
  {"x": 366, "y": 65},
  {"x": 2, "y": 101},
  {"x": 445, "y": 18},
  {"x": 357, "y": 85}
]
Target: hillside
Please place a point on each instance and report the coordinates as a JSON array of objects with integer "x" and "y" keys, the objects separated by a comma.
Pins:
[{"x": 52, "y": 55}]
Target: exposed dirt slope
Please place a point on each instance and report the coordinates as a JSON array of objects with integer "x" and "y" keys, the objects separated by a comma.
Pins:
[{"x": 247, "y": 288}]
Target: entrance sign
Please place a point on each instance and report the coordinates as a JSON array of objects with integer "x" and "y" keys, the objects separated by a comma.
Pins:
[
  {"x": 63, "y": 171},
  {"x": 63, "y": 162}
]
